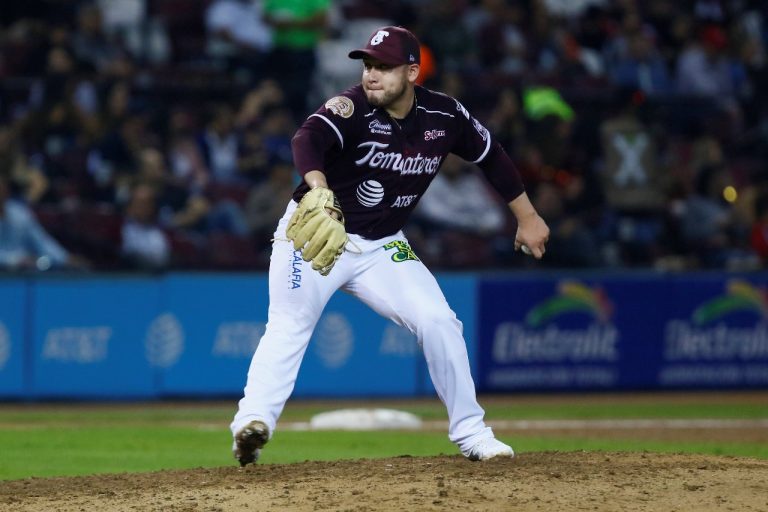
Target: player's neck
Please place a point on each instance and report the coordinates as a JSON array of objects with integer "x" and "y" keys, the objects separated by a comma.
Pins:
[{"x": 399, "y": 109}]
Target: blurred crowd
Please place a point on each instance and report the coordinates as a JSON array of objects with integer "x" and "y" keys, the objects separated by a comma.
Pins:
[{"x": 155, "y": 134}]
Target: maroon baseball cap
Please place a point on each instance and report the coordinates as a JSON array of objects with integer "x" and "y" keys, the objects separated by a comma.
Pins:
[{"x": 393, "y": 46}]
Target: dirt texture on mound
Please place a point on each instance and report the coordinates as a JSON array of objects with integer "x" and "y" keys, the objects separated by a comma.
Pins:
[{"x": 543, "y": 481}]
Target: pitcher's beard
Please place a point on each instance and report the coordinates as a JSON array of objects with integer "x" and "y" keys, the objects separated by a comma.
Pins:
[{"x": 386, "y": 99}]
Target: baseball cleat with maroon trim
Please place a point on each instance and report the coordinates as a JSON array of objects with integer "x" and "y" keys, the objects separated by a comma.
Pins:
[
  {"x": 488, "y": 449},
  {"x": 249, "y": 441}
]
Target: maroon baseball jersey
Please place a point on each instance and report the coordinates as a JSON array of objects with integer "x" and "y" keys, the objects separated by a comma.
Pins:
[{"x": 379, "y": 166}]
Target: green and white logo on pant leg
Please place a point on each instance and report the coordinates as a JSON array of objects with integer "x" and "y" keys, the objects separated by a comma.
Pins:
[{"x": 403, "y": 251}]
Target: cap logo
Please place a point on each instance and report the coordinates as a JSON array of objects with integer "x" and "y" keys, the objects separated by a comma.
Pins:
[{"x": 379, "y": 37}]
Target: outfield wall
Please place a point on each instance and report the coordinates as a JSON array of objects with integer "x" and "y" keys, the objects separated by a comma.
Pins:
[{"x": 193, "y": 335}]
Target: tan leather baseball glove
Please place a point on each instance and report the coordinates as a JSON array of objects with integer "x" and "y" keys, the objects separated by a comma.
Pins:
[{"x": 316, "y": 228}]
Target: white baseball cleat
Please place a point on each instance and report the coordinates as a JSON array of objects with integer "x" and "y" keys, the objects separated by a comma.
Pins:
[
  {"x": 249, "y": 441},
  {"x": 488, "y": 449}
]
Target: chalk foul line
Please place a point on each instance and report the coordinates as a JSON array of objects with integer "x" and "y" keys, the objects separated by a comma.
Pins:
[{"x": 626, "y": 424}]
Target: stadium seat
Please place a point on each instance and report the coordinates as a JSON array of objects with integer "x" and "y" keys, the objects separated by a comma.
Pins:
[
  {"x": 230, "y": 252},
  {"x": 188, "y": 251},
  {"x": 95, "y": 231}
]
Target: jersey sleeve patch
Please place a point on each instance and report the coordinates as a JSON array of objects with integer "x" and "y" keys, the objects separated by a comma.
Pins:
[{"x": 340, "y": 106}]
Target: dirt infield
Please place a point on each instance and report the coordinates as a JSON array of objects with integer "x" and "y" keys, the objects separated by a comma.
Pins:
[{"x": 531, "y": 482}]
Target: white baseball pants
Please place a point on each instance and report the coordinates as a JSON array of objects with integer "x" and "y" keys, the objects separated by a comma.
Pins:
[{"x": 403, "y": 291}]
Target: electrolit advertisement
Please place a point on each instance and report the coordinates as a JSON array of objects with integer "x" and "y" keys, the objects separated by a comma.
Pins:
[{"x": 623, "y": 332}]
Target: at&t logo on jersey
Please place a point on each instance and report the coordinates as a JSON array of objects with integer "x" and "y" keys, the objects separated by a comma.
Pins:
[
  {"x": 370, "y": 193},
  {"x": 396, "y": 161},
  {"x": 433, "y": 134},
  {"x": 403, "y": 201}
]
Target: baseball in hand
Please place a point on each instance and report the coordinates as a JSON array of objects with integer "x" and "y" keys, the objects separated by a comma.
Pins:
[{"x": 525, "y": 249}]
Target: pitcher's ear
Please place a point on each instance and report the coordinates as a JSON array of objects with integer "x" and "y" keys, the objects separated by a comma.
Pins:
[{"x": 413, "y": 72}]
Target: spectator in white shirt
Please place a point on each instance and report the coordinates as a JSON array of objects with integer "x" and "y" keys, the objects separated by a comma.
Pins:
[
  {"x": 145, "y": 245},
  {"x": 459, "y": 199},
  {"x": 238, "y": 36}
]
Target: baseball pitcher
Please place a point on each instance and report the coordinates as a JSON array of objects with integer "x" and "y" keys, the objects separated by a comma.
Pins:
[{"x": 367, "y": 156}]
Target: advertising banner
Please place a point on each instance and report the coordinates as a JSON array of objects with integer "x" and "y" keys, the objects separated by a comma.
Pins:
[
  {"x": 356, "y": 352},
  {"x": 203, "y": 337},
  {"x": 623, "y": 332},
  {"x": 88, "y": 337},
  {"x": 715, "y": 334},
  {"x": 194, "y": 335},
  {"x": 13, "y": 308}
]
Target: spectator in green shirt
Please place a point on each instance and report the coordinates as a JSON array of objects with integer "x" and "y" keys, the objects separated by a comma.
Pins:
[{"x": 298, "y": 26}]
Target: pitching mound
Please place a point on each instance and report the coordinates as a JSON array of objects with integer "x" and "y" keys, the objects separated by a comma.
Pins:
[{"x": 532, "y": 481}]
